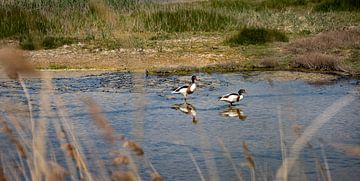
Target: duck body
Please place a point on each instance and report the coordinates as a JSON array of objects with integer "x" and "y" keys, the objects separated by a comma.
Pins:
[
  {"x": 186, "y": 89},
  {"x": 233, "y": 97}
]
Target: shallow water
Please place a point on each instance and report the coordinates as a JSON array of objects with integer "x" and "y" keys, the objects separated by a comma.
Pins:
[{"x": 213, "y": 135}]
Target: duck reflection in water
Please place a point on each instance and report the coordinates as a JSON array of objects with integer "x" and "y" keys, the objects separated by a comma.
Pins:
[
  {"x": 233, "y": 112},
  {"x": 187, "y": 109}
]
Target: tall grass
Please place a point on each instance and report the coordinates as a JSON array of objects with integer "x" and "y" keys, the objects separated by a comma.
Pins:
[
  {"x": 33, "y": 22},
  {"x": 182, "y": 20}
]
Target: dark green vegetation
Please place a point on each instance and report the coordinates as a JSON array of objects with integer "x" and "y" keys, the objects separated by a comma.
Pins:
[
  {"x": 249, "y": 36},
  {"x": 252, "y": 27}
]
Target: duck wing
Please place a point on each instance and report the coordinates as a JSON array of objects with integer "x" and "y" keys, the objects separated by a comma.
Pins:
[
  {"x": 177, "y": 90},
  {"x": 226, "y": 96}
]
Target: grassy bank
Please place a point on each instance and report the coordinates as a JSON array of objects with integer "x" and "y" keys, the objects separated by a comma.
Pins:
[{"x": 141, "y": 25}]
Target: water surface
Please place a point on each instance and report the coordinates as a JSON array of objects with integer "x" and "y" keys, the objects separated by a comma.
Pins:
[{"x": 212, "y": 135}]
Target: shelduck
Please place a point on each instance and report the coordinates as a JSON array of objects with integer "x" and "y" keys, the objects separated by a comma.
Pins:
[
  {"x": 233, "y": 97},
  {"x": 186, "y": 89}
]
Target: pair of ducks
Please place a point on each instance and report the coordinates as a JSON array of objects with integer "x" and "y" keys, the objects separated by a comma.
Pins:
[{"x": 189, "y": 89}]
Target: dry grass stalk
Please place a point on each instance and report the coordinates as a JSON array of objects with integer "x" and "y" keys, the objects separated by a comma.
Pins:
[
  {"x": 57, "y": 172},
  {"x": 134, "y": 147},
  {"x": 197, "y": 166},
  {"x": 156, "y": 176},
  {"x": 227, "y": 154},
  {"x": 282, "y": 144},
  {"x": 321, "y": 170},
  {"x": 2, "y": 175},
  {"x": 78, "y": 154},
  {"x": 352, "y": 150},
  {"x": 100, "y": 120},
  {"x": 11, "y": 135},
  {"x": 249, "y": 158},
  {"x": 14, "y": 62},
  {"x": 121, "y": 160},
  {"x": 327, "y": 169},
  {"x": 310, "y": 131},
  {"x": 123, "y": 176},
  {"x": 69, "y": 149},
  {"x": 297, "y": 129}
]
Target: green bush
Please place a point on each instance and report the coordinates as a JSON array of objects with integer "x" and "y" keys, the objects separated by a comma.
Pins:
[
  {"x": 338, "y": 5},
  {"x": 51, "y": 42},
  {"x": 47, "y": 42},
  {"x": 183, "y": 20},
  {"x": 256, "y": 36}
]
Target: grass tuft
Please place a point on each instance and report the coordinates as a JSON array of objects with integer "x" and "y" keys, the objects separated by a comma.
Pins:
[
  {"x": 317, "y": 61},
  {"x": 249, "y": 36},
  {"x": 183, "y": 20}
]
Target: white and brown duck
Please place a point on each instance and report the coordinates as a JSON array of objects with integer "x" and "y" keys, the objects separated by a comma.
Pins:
[
  {"x": 233, "y": 97},
  {"x": 186, "y": 89}
]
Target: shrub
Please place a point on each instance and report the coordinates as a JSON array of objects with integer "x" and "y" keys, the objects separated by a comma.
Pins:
[
  {"x": 182, "y": 20},
  {"x": 326, "y": 41},
  {"x": 317, "y": 61},
  {"x": 256, "y": 36},
  {"x": 338, "y": 5}
]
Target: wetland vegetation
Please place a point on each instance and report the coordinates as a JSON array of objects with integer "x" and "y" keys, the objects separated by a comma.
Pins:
[{"x": 261, "y": 34}]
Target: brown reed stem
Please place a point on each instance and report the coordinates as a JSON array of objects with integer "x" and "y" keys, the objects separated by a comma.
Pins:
[{"x": 227, "y": 155}]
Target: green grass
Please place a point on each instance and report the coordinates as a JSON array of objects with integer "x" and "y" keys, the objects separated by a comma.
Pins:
[
  {"x": 251, "y": 36},
  {"x": 33, "y": 22},
  {"x": 17, "y": 21},
  {"x": 182, "y": 20}
]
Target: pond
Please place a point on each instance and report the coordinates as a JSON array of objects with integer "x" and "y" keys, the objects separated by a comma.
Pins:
[{"x": 205, "y": 139}]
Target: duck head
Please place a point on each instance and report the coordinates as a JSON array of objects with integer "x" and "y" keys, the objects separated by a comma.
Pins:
[
  {"x": 193, "y": 78},
  {"x": 241, "y": 91}
]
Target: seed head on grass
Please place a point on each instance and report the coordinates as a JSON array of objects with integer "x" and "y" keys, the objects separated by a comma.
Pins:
[
  {"x": 100, "y": 120},
  {"x": 156, "y": 176},
  {"x": 57, "y": 172},
  {"x": 121, "y": 160},
  {"x": 134, "y": 147},
  {"x": 69, "y": 149},
  {"x": 14, "y": 62},
  {"x": 10, "y": 134},
  {"x": 123, "y": 176}
]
